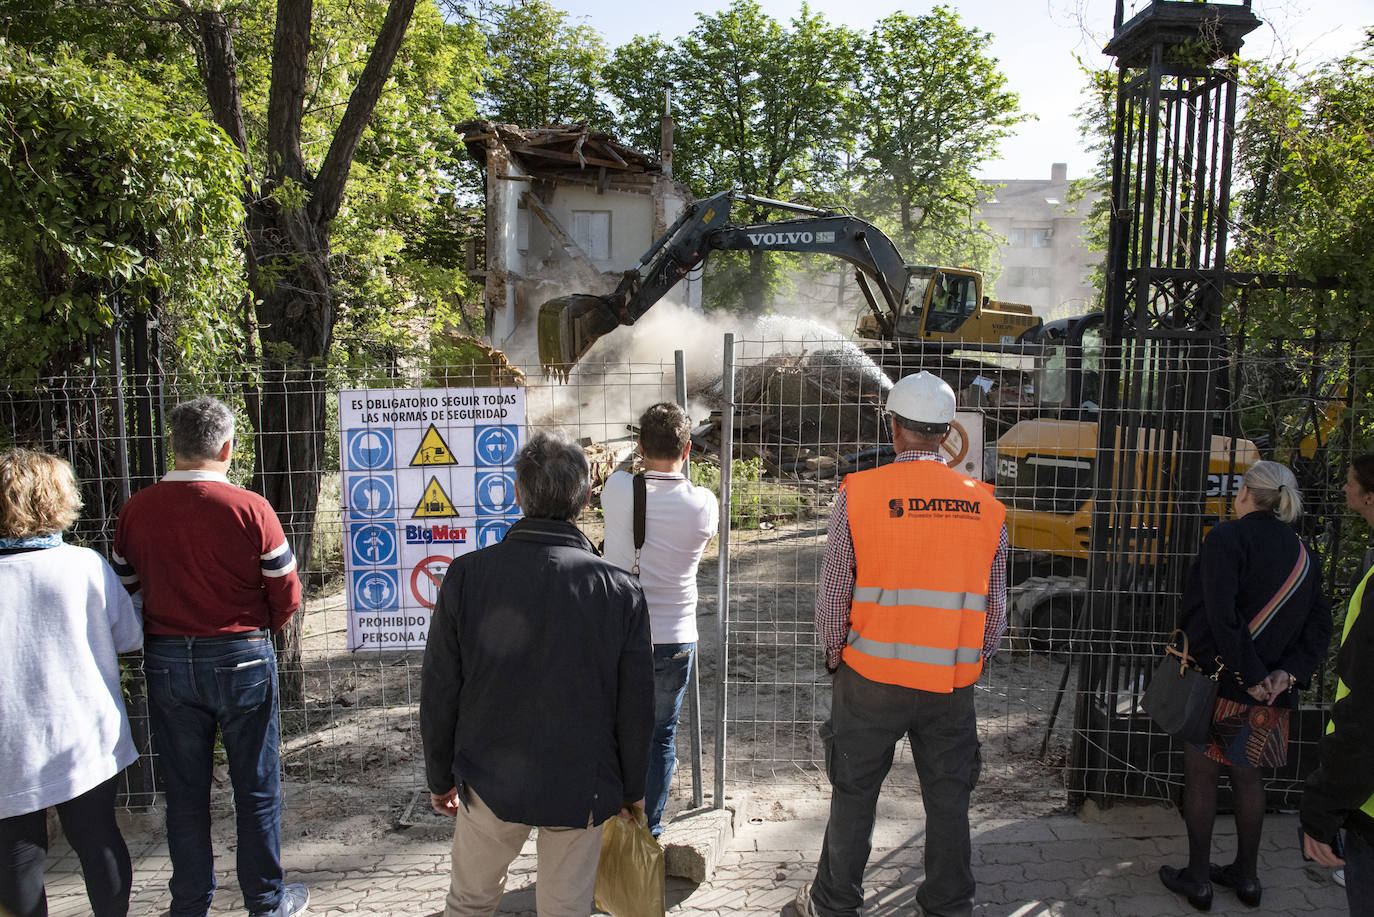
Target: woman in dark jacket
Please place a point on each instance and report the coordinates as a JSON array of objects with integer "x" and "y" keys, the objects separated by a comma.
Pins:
[
  {"x": 1340, "y": 792},
  {"x": 1254, "y": 607}
]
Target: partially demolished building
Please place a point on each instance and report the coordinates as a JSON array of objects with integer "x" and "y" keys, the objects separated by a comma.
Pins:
[{"x": 568, "y": 209}]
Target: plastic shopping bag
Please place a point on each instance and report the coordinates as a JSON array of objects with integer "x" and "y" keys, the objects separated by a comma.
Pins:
[{"x": 629, "y": 877}]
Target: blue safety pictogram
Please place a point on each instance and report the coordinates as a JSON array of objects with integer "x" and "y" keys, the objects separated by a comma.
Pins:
[
  {"x": 376, "y": 590},
  {"x": 369, "y": 448},
  {"x": 372, "y": 545},
  {"x": 494, "y": 445},
  {"x": 491, "y": 531},
  {"x": 371, "y": 496},
  {"x": 495, "y": 492}
]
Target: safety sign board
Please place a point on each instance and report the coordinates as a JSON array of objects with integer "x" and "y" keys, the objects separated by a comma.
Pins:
[
  {"x": 428, "y": 475},
  {"x": 370, "y": 496},
  {"x": 372, "y": 545},
  {"x": 434, "y": 502},
  {"x": 427, "y": 577},
  {"x": 494, "y": 446},
  {"x": 432, "y": 449},
  {"x": 366, "y": 449},
  {"x": 491, "y": 532}
]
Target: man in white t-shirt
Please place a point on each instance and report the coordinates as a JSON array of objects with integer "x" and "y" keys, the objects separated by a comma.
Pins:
[{"x": 679, "y": 520}]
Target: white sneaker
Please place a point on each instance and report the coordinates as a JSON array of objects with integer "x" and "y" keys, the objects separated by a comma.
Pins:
[
  {"x": 802, "y": 905},
  {"x": 1339, "y": 877}
]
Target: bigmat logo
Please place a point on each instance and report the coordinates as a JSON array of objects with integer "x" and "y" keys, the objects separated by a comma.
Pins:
[{"x": 436, "y": 534}]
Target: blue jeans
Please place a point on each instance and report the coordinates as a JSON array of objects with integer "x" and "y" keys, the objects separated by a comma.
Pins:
[
  {"x": 195, "y": 686},
  {"x": 1359, "y": 874},
  {"x": 672, "y": 665},
  {"x": 867, "y": 720}
]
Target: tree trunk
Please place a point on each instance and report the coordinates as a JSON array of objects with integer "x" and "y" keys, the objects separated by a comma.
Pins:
[
  {"x": 287, "y": 255},
  {"x": 295, "y": 317}
]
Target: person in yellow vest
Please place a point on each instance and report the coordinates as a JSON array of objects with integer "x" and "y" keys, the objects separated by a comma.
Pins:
[
  {"x": 912, "y": 601},
  {"x": 1340, "y": 792}
]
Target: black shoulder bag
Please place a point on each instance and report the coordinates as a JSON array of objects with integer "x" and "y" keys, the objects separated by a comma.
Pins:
[{"x": 1180, "y": 697}]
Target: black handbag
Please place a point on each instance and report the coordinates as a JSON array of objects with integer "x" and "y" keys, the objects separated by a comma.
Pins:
[{"x": 1180, "y": 697}]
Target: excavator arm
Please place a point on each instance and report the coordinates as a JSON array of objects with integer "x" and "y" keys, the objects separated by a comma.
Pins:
[{"x": 569, "y": 325}]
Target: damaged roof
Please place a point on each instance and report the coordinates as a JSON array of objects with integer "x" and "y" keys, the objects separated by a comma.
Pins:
[{"x": 557, "y": 150}]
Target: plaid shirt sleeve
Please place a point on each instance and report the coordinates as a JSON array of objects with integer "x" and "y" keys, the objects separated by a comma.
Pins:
[
  {"x": 837, "y": 584},
  {"x": 996, "y": 624}
]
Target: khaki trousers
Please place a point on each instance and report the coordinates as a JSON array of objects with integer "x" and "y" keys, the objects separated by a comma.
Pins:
[{"x": 484, "y": 846}]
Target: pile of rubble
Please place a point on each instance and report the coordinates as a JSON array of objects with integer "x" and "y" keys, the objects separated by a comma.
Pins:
[{"x": 808, "y": 415}]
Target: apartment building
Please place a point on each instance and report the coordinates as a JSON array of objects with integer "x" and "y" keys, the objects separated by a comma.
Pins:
[{"x": 1045, "y": 261}]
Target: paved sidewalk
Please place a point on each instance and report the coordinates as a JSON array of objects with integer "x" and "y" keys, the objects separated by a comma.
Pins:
[{"x": 1101, "y": 863}]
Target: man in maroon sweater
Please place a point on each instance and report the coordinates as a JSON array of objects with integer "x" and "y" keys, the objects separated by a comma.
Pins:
[{"x": 217, "y": 579}]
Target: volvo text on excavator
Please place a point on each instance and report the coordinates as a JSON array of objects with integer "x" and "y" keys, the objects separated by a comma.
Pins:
[{"x": 915, "y": 307}]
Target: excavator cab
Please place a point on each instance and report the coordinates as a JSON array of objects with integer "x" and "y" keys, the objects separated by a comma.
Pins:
[{"x": 951, "y": 299}]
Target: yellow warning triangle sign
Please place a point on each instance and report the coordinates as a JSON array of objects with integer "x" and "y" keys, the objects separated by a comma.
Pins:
[
  {"x": 433, "y": 450},
  {"x": 434, "y": 502}
]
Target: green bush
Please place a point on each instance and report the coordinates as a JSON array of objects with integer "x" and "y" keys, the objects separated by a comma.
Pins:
[{"x": 753, "y": 501}]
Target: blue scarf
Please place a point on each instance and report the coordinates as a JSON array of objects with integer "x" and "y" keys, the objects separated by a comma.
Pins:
[{"x": 33, "y": 541}]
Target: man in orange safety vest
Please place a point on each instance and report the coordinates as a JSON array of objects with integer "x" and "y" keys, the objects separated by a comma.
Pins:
[{"x": 912, "y": 601}]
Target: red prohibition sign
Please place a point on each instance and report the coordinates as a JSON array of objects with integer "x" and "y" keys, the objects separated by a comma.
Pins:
[
  {"x": 422, "y": 570},
  {"x": 956, "y": 446}
]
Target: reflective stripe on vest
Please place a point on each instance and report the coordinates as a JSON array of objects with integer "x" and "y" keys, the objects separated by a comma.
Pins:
[
  {"x": 1352, "y": 612},
  {"x": 924, "y": 540},
  {"x": 952, "y": 601},
  {"x": 923, "y": 654}
]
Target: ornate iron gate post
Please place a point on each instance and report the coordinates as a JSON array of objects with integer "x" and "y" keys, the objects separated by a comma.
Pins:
[{"x": 1166, "y": 270}]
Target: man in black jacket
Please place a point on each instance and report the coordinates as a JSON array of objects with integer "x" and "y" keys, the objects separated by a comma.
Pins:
[{"x": 536, "y": 700}]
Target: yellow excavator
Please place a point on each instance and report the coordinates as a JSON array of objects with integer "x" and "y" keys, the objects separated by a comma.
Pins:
[
  {"x": 917, "y": 308},
  {"x": 1045, "y": 468}
]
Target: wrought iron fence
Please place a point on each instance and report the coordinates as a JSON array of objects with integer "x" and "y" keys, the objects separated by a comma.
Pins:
[{"x": 1058, "y": 706}]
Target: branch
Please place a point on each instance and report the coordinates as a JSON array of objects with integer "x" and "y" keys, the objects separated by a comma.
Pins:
[
  {"x": 329, "y": 184},
  {"x": 286, "y": 100},
  {"x": 220, "y": 67}
]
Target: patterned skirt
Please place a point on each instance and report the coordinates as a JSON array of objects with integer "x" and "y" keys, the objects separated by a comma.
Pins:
[{"x": 1248, "y": 735}]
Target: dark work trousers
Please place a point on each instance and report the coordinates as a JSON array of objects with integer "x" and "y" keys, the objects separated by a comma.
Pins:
[
  {"x": 1359, "y": 874},
  {"x": 88, "y": 821},
  {"x": 867, "y": 720}
]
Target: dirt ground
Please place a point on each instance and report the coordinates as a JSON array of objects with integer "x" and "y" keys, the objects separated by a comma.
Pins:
[{"x": 352, "y": 756}]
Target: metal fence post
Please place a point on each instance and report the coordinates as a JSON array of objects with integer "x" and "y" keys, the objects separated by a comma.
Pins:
[
  {"x": 694, "y": 674},
  {"x": 727, "y": 449}
]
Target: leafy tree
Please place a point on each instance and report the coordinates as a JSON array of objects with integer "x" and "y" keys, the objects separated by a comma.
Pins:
[
  {"x": 765, "y": 110},
  {"x": 295, "y": 85},
  {"x": 1306, "y": 204},
  {"x": 547, "y": 71},
  {"x": 932, "y": 108},
  {"x": 636, "y": 75},
  {"x": 107, "y": 203}
]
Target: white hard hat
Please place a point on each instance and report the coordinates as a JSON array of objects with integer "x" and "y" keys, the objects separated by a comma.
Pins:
[{"x": 923, "y": 398}]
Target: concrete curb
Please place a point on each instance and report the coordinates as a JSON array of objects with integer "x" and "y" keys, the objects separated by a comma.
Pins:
[{"x": 695, "y": 839}]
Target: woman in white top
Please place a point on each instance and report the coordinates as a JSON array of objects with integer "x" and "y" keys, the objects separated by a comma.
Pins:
[{"x": 63, "y": 618}]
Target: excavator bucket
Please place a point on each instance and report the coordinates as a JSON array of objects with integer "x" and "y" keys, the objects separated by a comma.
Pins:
[{"x": 568, "y": 327}]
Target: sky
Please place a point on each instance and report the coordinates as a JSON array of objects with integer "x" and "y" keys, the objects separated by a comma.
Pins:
[{"x": 1034, "y": 41}]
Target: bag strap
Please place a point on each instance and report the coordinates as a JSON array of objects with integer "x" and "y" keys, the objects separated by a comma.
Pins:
[
  {"x": 641, "y": 494},
  {"x": 1184, "y": 658},
  {"x": 1286, "y": 589}
]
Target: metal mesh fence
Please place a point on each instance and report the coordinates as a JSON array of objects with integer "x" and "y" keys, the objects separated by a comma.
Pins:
[{"x": 1058, "y": 707}]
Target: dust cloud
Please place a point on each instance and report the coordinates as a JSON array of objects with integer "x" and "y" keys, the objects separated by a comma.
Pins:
[{"x": 632, "y": 367}]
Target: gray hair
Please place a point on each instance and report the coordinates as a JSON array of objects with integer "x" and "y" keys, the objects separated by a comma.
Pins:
[
  {"x": 1274, "y": 488},
  {"x": 552, "y": 478},
  {"x": 200, "y": 428}
]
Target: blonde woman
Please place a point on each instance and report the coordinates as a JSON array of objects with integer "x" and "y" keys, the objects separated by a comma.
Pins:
[
  {"x": 1253, "y": 608},
  {"x": 63, "y": 618}
]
